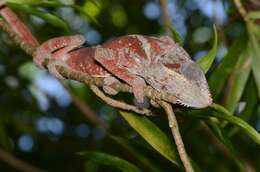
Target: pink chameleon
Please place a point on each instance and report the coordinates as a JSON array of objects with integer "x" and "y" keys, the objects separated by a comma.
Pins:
[{"x": 135, "y": 59}]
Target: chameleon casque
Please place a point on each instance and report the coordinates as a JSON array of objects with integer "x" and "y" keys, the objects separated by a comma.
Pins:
[{"x": 137, "y": 60}]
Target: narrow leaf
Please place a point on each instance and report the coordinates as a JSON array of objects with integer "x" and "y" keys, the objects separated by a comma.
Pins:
[
  {"x": 226, "y": 115},
  {"x": 49, "y": 18},
  {"x": 27, "y": 2},
  {"x": 254, "y": 49},
  {"x": 176, "y": 36},
  {"x": 237, "y": 82},
  {"x": 254, "y": 14},
  {"x": 225, "y": 67},
  {"x": 250, "y": 97},
  {"x": 138, "y": 155},
  {"x": 153, "y": 135},
  {"x": 106, "y": 159},
  {"x": 206, "y": 61}
]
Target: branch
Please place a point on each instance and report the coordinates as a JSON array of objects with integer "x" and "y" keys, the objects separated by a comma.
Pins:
[
  {"x": 86, "y": 110},
  {"x": 241, "y": 9},
  {"x": 17, "y": 163},
  {"x": 173, "y": 124},
  {"x": 165, "y": 16}
]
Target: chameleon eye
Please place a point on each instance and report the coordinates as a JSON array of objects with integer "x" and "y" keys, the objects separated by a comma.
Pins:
[{"x": 192, "y": 71}]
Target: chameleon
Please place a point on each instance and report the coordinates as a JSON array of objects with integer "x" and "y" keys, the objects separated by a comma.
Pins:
[{"x": 138, "y": 60}]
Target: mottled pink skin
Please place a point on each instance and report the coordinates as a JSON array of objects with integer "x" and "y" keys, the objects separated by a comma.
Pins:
[
  {"x": 160, "y": 62},
  {"x": 17, "y": 25},
  {"x": 135, "y": 59}
]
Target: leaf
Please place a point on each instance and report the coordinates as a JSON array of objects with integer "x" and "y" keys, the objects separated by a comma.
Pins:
[
  {"x": 153, "y": 135},
  {"x": 215, "y": 126},
  {"x": 176, "y": 36},
  {"x": 27, "y": 2},
  {"x": 225, "y": 67},
  {"x": 206, "y": 61},
  {"x": 90, "y": 166},
  {"x": 49, "y": 18},
  {"x": 254, "y": 14},
  {"x": 237, "y": 82},
  {"x": 56, "y": 4},
  {"x": 254, "y": 49},
  {"x": 250, "y": 97},
  {"x": 226, "y": 115},
  {"x": 106, "y": 159},
  {"x": 138, "y": 155}
]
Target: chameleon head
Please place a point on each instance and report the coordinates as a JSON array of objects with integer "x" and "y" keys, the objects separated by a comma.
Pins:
[{"x": 189, "y": 85}]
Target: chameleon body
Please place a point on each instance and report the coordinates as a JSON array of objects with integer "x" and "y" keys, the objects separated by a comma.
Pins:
[{"x": 137, "y": 60}]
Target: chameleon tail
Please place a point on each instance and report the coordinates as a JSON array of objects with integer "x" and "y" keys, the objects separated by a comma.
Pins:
[{"x": 17, "y": 25}]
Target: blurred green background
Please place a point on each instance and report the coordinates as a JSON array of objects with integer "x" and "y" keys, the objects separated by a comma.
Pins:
[{"x": 41, "y": 125}]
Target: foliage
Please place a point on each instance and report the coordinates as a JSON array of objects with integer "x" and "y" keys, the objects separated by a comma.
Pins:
[{"x": 41, "y": 125}]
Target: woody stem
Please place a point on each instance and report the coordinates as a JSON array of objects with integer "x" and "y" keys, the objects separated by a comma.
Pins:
[{"x": 173, "y": 124}]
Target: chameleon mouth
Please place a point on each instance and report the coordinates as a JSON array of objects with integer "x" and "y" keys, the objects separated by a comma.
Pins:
[{"x": 202, "y": 101}]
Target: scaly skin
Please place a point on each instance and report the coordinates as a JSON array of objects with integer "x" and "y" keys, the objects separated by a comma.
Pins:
[
  {"x": 135, "y": 59},
  {"x": 17, "y": 25},
  {"x": 161, "y": 63}
]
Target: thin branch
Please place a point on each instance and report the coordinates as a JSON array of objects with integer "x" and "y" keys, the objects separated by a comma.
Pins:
[
  {"x": 119, "y": 104},
  {"x": 173, "y": 124},
  {"x": 241, "y": 9},
  {"x": 165, "y": 16},
  {"x": 83, "y": 107},
  {"x": 17, "y": 163}
]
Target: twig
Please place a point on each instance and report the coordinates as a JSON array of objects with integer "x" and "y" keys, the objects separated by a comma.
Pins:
[
  {"x": 241, "y": 9},
  {"x": 173, "y": 124},
  {"x": 165, "y": 16},
  {"x": 86, "y": 110},
  {"x": 17, "y": 163},
  {"x": 119, "y": 104},
  {"x": 118, "y": 86}
]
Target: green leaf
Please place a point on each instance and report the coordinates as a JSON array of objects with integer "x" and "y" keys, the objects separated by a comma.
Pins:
[
  {"x": 49, "y": 18},
  {"x": 106, "y": 159},
  {"x": 251, "y": 98},
  {"x": 56, "y": 4},
  {"x": 27, "y": 2},
  {"x": 237, "y": 82},
  {"x": 218, "y": 131},
  {"x": 153, "y": 135},
  {"x": 225, "y": 67},
  {"x": 206, "y": 61},
  {"x": 90, "y": 166},
  {"x": 226, "y": 115},
  {"x": 254, "y": 15},
  {"x": 256, "y": 30},
  {"x": 138, "y": 155},
  {"x": 254, "y": 50},
  {"x": 176, "y": 36}
]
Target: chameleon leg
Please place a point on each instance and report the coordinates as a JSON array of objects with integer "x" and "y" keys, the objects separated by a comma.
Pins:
[
  {"x": 106, "y": 57},
  {"x": 46, "y": 49},
  {"x": 119, "y": 104},
  {"x": 56, "y": 50},
  {"x": 107, "y": 82},
  {"x": 17, "y": 25}
]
